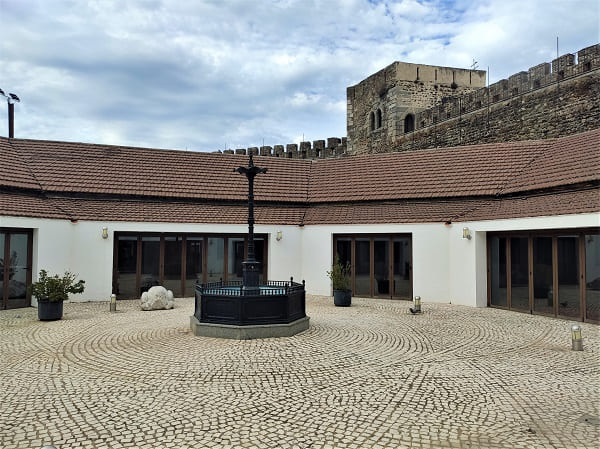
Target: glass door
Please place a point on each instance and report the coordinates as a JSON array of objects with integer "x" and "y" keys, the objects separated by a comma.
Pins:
[
  {"x": 519, "y": 274},
  {"x": 150, "y": 261},
  {"x": 172, "y": 265},
  {"x": 381, "y": 264},
  {"x": 402, "y": 269},
  {"x": 194, "y": 267},
  {"x": 215, "y": 259},
  {"x": 568, "y": 294},
  {"x": 15, "y": 268},
  {"x": 381, "y": 267},
  {"x": 543, "y": 276},
  {"x": 497, "y": 275},
  {"x": 362, "y": 267},
  {"x": 592, "y": 277}
]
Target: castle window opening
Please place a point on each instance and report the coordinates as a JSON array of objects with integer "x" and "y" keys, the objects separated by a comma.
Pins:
[
  {"x": 496, "y": 98},
  {"x": 378, "y": 119},
  {"x": 587, "y": 66},
  {"x": 372, "y": 121},
  {"x": 409, "y": 123},
  {"x": 515, "y": 91}
]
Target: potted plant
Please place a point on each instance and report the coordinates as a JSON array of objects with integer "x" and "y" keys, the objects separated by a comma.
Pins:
[
  {"x": 51, "y": 291},
  {"x": 340, "y": 278}
]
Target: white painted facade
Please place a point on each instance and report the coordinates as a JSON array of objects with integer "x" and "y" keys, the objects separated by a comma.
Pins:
[{"x": 446, "y": 267}]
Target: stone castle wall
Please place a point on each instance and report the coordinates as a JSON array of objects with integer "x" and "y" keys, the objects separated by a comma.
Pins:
[
  {"x": 452, "y": 107},
  {"x": 334, "y": 146},
  {"x": 378, "y": 105},
  {"x": 549, "y": 100}
]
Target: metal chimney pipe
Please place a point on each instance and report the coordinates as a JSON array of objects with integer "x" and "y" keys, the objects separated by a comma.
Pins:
[{"x": 11, "y": 120}]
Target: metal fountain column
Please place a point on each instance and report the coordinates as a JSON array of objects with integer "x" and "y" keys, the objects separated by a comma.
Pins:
[{"x": 251, "y": 267}]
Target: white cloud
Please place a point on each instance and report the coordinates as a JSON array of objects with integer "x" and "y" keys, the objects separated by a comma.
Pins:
[{"x": 204, "y": 74}]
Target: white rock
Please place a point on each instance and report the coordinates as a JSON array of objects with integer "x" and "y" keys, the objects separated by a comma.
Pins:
[{"x": 157, "y": 298}]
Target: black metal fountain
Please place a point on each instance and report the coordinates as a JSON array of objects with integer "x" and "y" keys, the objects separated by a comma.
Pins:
[{"x": 248, "y": 309}]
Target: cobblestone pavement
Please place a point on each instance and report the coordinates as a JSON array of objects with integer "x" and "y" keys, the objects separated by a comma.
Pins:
[{"x": 368, "y": 376}]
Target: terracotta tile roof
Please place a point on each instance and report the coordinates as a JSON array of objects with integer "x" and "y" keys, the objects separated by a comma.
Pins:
[
  {"x": 175, "y": 212},
  {"x": 417, "y": 186},
  {"x": 476, "y": 170},
  {"x": 433, "y": 173},
  {"x": 555, "y": 203},
  {"x": 19, "y": 204},
  {"x": 565, "y": 161},
  {"x": 405, "y": 211},
  {"x": 105, "y": 169},
  {"x": 456, "y": 210},
  {"x": 14, "y": 171}
]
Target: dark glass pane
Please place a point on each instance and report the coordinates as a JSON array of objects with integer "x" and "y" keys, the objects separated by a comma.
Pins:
[
  {"x": 542, "y": 275},
  {"x": 498, "y": 271},
  {"x": 381, "y": 256},
  {"x": 259, "y": 250},
  {"x": 126, "y": 266},
  {"x": 172, "y": 275},
  {"x": 569, "y": 303},
  {"x": 519, "y": 273},
  {"x": 344, "y": 250},
  {"x": 150, "y": 263},
  {"x": 215, "y": 259},
  {"x": 402, "y": 262},
  {"x": 17, "y": 269},
  {"x": 2, "y": 237},
  {"x": 362, "y": 270},
  {"x": 592, "y": 277},
  {"x": 193, "y": 264},
  {"x": 235, "y": 257}
]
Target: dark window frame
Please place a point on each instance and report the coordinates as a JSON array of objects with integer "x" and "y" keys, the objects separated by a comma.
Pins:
[
  {"x": 184, "y": 236},
  {"x": 5, "y": 303},
  {"x": 372, "y": 237},
  {"x": 580, "y": 233}
]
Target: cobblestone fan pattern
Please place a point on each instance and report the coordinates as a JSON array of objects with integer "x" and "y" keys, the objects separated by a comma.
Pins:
[{"x": 368, "y": 376}]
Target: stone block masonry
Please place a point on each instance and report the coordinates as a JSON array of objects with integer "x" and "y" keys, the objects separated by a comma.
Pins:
[
  {"x": 317, "y": 149},
  {"x": 549, "y": 100},
  {"x": 412, "y": 106},
  {"x": 378, "y": 106}
]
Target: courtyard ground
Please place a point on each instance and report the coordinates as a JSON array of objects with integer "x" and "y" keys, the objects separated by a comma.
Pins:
[{"x": 368, "y": 376}]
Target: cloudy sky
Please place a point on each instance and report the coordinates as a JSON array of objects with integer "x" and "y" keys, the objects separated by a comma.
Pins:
[{"x": 213, "y": 74}]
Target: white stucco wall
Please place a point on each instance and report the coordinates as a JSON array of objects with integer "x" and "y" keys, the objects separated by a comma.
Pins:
[
  {"x": 468, "y": 258},
  {"x": 430, "y": 256},
  {"x": 446, "y": 267}
]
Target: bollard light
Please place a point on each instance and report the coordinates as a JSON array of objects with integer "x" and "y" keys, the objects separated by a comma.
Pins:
[
  {"x": 113, "y": 303},
  {"x": 416, "y": 304},
  {"x": 576, "y": 339}
]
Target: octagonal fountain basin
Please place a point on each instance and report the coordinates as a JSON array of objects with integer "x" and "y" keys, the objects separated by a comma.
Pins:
[{"x": 231, "y": 310}]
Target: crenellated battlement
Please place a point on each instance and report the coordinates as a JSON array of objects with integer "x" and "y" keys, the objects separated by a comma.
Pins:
[
  {"x": 317, "y": 149},
  {"x": 537, "y": 77}
]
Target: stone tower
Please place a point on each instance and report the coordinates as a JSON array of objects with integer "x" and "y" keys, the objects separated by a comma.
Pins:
[{"x": 383, "y": 106}]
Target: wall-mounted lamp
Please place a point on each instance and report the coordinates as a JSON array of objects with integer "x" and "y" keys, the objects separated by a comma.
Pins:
[
  {"x": 576, "y": 339},
  {"x": 278, "y": 236},
  {"x": 466, "y": 233},
  {"x": 104, "y": 232}
]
